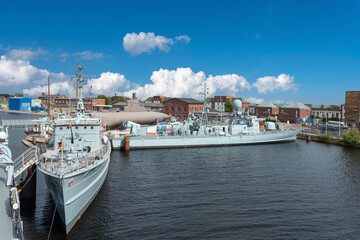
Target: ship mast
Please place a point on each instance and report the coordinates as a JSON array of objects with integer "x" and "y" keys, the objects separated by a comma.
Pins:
[
  {"x": 204, "y": 119},
  {"x": 80, "y": 106}
]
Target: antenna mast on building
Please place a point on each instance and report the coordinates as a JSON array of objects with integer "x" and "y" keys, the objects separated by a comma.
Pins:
[{"x": 204, "y": 119}]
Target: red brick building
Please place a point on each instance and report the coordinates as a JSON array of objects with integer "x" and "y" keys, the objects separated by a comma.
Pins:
[
  {"x": 265, "y": 110},
  {"x": 181, "y": 107},
  {"x": 293, "y": 111},
  {"x": 352, "y": 107}
]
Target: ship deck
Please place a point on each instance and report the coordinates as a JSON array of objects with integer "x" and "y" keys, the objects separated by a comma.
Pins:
[{"x": 6, "y": 226}]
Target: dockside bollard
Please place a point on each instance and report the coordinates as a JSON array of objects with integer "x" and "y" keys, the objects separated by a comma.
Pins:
[
  {"x": 127, "y": 143},
  {"x": 308, "y": 139}
]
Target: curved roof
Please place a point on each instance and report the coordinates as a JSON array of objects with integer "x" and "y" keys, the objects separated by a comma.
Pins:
[{"x": 295, "y": 105}]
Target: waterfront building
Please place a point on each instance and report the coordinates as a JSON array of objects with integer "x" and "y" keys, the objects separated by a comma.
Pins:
[
  {"x": 331, "y": 113},
  {"x": 293, "y": 111},
  {"x": 20, "y": 103},
  {"x": 266, "y": 110},
  {"x": 352, "y": 107},
  {"x": 181, "y": 107},
  {"x": 36, "y": 102}
]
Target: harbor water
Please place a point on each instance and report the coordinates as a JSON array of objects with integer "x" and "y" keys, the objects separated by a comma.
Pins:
[{"x": 295, "y": 190}]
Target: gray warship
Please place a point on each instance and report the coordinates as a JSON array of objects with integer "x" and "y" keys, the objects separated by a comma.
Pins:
[
  {"x": 76, "y": 166},
  {"x": 241, "y": 128}
]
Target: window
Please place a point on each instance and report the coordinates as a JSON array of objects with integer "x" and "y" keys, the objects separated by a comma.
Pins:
[
  {"x": 178, "y": 109},
  {"x": 172, "y": 108},
  {"x": 184, "y": 109}
]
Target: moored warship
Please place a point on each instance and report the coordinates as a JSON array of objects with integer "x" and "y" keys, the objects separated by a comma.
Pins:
[
  {"x": 76, "y": 165},
  {"x": 241, "y": 128}
]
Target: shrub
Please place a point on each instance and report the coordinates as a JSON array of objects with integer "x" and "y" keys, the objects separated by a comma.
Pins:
[{"x": 352, "y": 137}]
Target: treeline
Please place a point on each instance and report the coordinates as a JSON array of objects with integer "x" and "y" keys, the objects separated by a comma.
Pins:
[{"x": 112, "y": 100}]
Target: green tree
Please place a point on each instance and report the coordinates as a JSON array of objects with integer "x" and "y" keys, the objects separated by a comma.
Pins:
[
  {"x": 104, "y": 97},
  {"x": 335, "y": 107},
  {"x": 322, "y": 106},
  {"x": 19, "y": 95},
  {"x": 229, "y": 106}
]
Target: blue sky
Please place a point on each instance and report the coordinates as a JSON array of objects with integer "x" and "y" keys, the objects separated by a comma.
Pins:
[{"x": 279, "y": 51}]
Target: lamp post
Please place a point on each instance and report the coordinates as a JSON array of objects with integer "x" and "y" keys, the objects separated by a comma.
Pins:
[{"x": 326, "y": 121}]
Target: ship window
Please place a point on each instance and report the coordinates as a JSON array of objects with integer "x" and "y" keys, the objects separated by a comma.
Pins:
[
  {"x": 61, "y": 128},
  {"x": 76, "y": 127},
  {"x": 92, "y": 127},
  {"x": 67, "y": 127},
  {"x": 85, "y": 127}
]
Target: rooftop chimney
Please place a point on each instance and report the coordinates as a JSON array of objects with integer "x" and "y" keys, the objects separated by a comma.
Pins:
[{"x": 134, "y": 96}]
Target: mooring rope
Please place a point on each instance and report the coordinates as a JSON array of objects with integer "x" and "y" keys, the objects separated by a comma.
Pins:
[{"x": 27, "y": 181}]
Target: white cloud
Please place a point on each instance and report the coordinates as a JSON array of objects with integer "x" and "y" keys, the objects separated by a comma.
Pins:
[
  {"x": 283, "y": 82},
  {"x": 184, "y": 38},
  {"x": 183, "y": 82},
  {"x": 231, "y": 84},
  {"x": 108, "y": 84},
  {"x": 146, "y": 42},
  {"x": 63, "y": 57},
  {"x": 88, "y": 55},
  {"x": 25, "y": 54},
  {"x": 21, "y": 72},
  {"x": 55, "y": 88},
  {"x": 254, "y": 100}
]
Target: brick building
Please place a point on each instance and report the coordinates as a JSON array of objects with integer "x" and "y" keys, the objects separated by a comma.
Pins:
[
  {"x": 352, "y": 107},
  {"x": 265, "y": 110},
  {"x": 181, "y": 107},
  {"x": 293, "y": 111}
]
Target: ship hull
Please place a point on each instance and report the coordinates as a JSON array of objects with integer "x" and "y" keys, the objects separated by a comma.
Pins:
[
  {"x": 151, "y": 142},
  {"x": 73, "y": 193}
]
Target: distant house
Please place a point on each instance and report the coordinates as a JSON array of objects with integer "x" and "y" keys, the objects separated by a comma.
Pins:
[
  {"x": 264, "y": 110},
  {"x": 293, "y": 111},
  {"x": 181, "y": 107}
]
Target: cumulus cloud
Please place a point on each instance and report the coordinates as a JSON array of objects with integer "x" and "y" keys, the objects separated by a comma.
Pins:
[
  {"x": 254, "y": 100},
  {"x": 183, "y": 38},
  {"x": 55, "y": 88},
  {"x": 25, "y": 54},
  {"x": 146, "y": 42},
  {"x": 88, "y": 55},
  {"x": 231, "y": 84},
  {"x": 63, "y": 57},
  {"x": 283, "y": 82},
  {"x": 108, "y": 84},
  {"x": 183, "y": 82},
  {"x": 21, "y": 72}
]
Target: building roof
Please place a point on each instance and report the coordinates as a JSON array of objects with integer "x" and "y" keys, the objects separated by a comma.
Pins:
[
  {"x": 120, "y": 104},
  {"x": 187, "y": 100},
  {"x": 295, "y": 105},
  {"x": 267, "y": 105}
]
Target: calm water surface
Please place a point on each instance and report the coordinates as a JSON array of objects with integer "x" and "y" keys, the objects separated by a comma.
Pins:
[{"x": 294, "y": 190}]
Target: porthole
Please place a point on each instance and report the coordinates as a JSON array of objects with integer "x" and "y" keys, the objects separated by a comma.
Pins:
[
  {"x": 85, "y": 127},
  {"x": 92, "y": 127},
  {"x": 61, "y": 128}
]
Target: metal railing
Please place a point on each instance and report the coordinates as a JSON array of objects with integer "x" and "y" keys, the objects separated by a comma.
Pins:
[
  {"x": 56, "y": 165},
  {"x": 25, "y": 160},
  {"x": 22, "y": 122}
]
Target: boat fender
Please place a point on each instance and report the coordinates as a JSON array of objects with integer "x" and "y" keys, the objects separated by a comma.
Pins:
[{"x": 105, "y": 139}]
